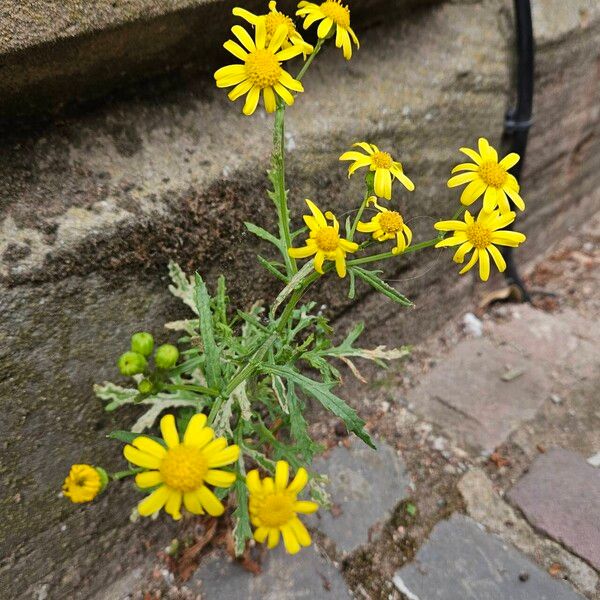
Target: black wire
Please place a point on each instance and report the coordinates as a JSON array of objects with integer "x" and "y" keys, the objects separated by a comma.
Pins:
[{"x": 518, "y": 120}]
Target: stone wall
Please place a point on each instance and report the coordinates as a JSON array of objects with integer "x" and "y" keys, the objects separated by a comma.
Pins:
[{"x": 95, "y": 201}]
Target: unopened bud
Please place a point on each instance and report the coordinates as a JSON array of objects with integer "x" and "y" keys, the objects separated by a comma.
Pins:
[
  {"x": 145, "y": 386},
  {"x": 143, "y": 343},
  {"x": 131, "y": 363},
  {"x": 166, "y": 356}
]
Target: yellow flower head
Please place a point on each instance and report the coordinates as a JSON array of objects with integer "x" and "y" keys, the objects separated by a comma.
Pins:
[
  {"x": 273, "y": 19},
  {"x": 83, "y": 484},
  {"x": 274, "y": 507},
  {"x": 334, "y": 16},
  {"x": 262, "y": 70},
  {"x": 385, "y": 167},
  {"x": 181, "y": 470},
  {"x": 387, "y": 225},
  {"x": 489, "y": 177},
  {"x": 324, "y": 241},
  {"x": 482, "y": 236}
]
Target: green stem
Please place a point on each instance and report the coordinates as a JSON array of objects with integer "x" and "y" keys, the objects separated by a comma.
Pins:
[
  {"x": 309, "y": 60},
  {"x": 122, "y": 474},
  {"x": 190, "y": 388},
  {"x": 278, "y": 165},
  {"x": 368, "y": 194},
  {"x": 385, "y": 255}
]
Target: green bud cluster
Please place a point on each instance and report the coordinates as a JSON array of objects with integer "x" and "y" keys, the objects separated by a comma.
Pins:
[{"x": 135, "y": 361}]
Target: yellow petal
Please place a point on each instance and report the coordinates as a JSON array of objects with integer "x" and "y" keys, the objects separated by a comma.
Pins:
[
  {"x": 498, "y": 258},
  {"x": 282, "y": 473},
  {"x": 141, "y": 459},
  {"x": 197, "y": 435},
  {"x": 462, "y": 178},
  {"x": 260, "y": 534},
  {"x": 173, "y": 504},
  {"x": 290, "y": 540},
  {"x": 484, "y": 264},
  {"x": 169, "y": 431},
  {"x": 300, "y": 531},
  {"x": 471, "y": 262},
  {"x": 152, "y": 447},
  {"x": 273, "y": 539},
  {"x": 225, "y": 457},
  {"x": 306, "y": 507},
  {"x": 244, "y": 37},
  {"x": 148, "y": 479},
  {"x": 251, "y": 101},
  {"x": 154, "y": 502},
  {"x": 299, "y": 481},
  {"x": 210, "y": 502},
  {"x": 235, "y": 49},
  {"x": 192, "y": 503},
  {"x": 253, "y": 482},
  {"x": 219, "y": 478}
]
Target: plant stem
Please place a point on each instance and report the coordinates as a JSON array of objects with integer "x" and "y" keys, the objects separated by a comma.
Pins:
[
  {"x": 368, "y": 194},
  {"x": 171, "y": 387},
  {"x": 309, "y": 60},
  {"x": 375, "y": 257},
  {"x": 122, "y": 474},
  {"x": 278, "y": 178}
]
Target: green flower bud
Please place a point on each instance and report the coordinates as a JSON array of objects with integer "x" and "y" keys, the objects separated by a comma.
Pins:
[
  {"x": 166, "y": 356},
  {"x": 132, "y": 363},
  {"x": 103, "y": 478},
  {"x": 143, "y": 343},
  {"x": 145, "y": 386}
]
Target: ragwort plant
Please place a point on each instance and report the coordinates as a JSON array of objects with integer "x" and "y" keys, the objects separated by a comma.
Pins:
[{"x": 235, "y": 391}]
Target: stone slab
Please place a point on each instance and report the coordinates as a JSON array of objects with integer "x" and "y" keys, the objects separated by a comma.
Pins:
[
  {"x": 486, "y": 507},
  {"x": 365, "y": 486},
  {"x": 467, "y": 395},
  {"x": 284, "y": 577},
  {"x": 460, "y": 561},
  {"x": 564, "y": 343},
  {"x": 560, "y": 495}
]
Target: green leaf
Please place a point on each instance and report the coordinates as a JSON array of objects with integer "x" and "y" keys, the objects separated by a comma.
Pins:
[
  {"x": 295, "y": 281},
  {"x": 272, "y": 269},
  {"x": 352, "y": 290},
  {"x": 127, "y": 437},
  {"x": 183, "y": 287},
  {"x": 211, "y": 350},
  {"x": 264, "y": 235},
  {"x": 221, "y": 301},
  {"x": 116, "y": 394},
  {"x": 378, "y": 284},
  {"x": 329, "y": 400},
  {"x": 411, "y": 509}
]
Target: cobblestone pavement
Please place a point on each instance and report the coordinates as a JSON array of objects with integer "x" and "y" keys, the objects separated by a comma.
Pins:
[{"x": 486, "y": 485}]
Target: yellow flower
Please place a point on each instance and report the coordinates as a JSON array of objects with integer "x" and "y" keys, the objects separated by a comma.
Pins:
[
  {"x": 385, "y": 167},
  {"x": 261, "y": 71},
  {"x": 83, "y": 484},
  {"x": 489, "y": 177},
  {"x": 182, "y": 469},
  {"x": 324, "y": 241},
  {"x": 482, "y": 236},
  {"x": 333, "y": 15},
  {"x": 387, "y": 225},
  {"x": 273, "y": 19},
  {"x": 274, "y": 507}
]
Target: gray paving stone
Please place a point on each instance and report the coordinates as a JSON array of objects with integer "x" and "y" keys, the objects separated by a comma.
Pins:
[
  {"x": 560, "y": 495},
  {"x": 468, "y": 397},
  {"x": 365, "y": 485},
  {"x": 284, "y": 577},
  {"x": 460, "y": 561},
  {"x": 565, "y": 343}
]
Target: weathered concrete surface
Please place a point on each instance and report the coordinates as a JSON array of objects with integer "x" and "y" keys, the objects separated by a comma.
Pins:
[
  {"x": 58, "y": 54},
  {"x": 92, "y": 207},
  {"x": 460, "y": 561},
  {"x": 471, "y": 397},
  {"x": 365, "y": 486},
  {"x": 486, "y": 507},
  {"x": 306, "y": 575},
  {"x": 560, "y": 495}
]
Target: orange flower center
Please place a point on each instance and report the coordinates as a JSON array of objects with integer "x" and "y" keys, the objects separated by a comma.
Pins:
[
  {"x": 262, "y": 68},
  {"x": 274, "y": 19},
  {"x": 492, "y": 174},
  {"x": 391, "y": 221},
  {"x": 338, "y": 13},
  {"x": 382, "y": 160},
  {"x": 479, "y": 236},
  {"x": 327, "y": 239},
  {"x": 277, "y": 509},
  {"x": 184, "y": 468}
]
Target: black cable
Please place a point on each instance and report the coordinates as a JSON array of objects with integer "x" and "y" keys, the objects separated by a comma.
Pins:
[{"x": 518, "y": 120}]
